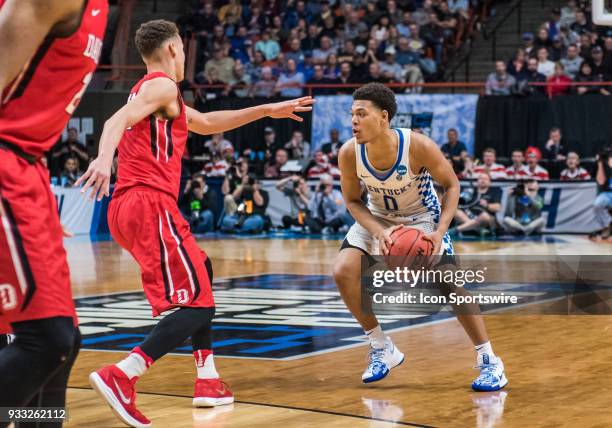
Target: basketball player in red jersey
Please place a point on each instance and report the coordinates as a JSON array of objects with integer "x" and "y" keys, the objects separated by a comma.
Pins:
[
  {"x": 49, "y": 50},
  {"x": 151, "y": 132}
]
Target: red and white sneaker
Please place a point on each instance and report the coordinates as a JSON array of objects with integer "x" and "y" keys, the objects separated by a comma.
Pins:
[
  {"x": 119, "y": 392},
  {"x": 211, "y": 393}
]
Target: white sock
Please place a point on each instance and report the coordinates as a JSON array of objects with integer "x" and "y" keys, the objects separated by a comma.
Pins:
[
  {"x": 377, "y": 337},
  {"x": 205, "y": 364},
  {"x": 133, "y": 365},
  {"x": 485, "y": 349}
]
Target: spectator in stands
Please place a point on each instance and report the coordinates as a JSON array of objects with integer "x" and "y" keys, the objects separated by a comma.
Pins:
[
  {"x": 599, "y": 67},
  {"x": 296, "y": 189},
  {"x": 345, "y": 76},
  {"x": 568, "y": 37},
  {"x": 581, "y": 25},
  {"x": 327, "y": 208},
  {"x": 542, "y": 40},
  {"x": 404, "y": 26},
  {"x": 568, "y": 13},
  {"x": 479, "y": 210},
  {"x": 321, "y": 166},
  {"x": 70, "y": 174},
  {"x": 198, "y": 204},
  {"x": 217, "y": 144},
  {"x": 268, "y": 46},
  {"x": 354, "y": 25},
  {"x": 409, "y": 60},
  {"x": 557, "y": 50},
  {"x": 250, "y": 215},
  {"x": 295, "y": 51},
  {"x": 524, "y": 209},
  {"x": 320, "y": 54},
  {"x": 297, "y": 148},
  {"x": 218, "y": 87},
  {"x": 433, "y": 34},
  {"x": 231, "y": 13},
  {"x": 331, "y": 67},
  {"x": 603, "y": 201},
  {"x": 574, "y": 171},
  {"x": 586, "y": 45},
  {"x": 535, "y": 171},
  {"x": 389, "y": 68},
  {"x": 219, "y": 163},
  {"x": 493, "y": 169},
  {"x": 332, "y": 147},
  {"x": 518, "y": 169},
  {"x": 499, "y": 82},
  {"x": 586, "y": 75},
  {"x": 290, "y": 82},
  {"x": 558, "y": 83},
  {"x": 545, "y": 66},
  {"x": 528, "y": 45},
  {"x": 554, "y": 24},
  {"x": 572, "y": 61},
  {"x": 553, "y": 149},
  {"x": 223, "y": 64},
  {"x": 265, "y": 87},
  {"x": 518, "y": 63},
  {"x": 375, "y": 75},
  {"x": 454, "y": 148},
  {"x": 526, "y": 79},
  {"x": 272, "y": 168},
  {"x": 320, "y": 79},
  {"x": 240, "y": 83},
  {"x": 69, "y": 148}
]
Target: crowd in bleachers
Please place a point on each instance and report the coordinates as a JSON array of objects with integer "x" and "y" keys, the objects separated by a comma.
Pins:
[
  {"x": 264, "y": 48},
  {"x": 567, "y": 48}
]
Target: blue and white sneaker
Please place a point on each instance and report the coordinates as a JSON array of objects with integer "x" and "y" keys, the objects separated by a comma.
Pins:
[
  {"x": 492, "y": 376},
  {"x": 381, "y": 361}
]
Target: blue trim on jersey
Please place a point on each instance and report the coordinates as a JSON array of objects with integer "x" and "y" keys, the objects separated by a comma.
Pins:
[{"x": 386, "y": 175}]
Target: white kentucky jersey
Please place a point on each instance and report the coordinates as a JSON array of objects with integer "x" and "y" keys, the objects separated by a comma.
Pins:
[{"x": 398, "y": 193}]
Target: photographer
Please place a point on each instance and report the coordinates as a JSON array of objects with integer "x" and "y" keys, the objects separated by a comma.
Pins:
[
  {"x": 198, "y": 204},
  {"x": 327, "y": 208},
  {"x": 524, "y": 209},
  {"x": 251, "y": 211},
  {"x": 603, "y": 201},
  {"x": 296, "y": 189},
  {"x": 478, "y": 207},
  {"x": 234, "y": 178}
]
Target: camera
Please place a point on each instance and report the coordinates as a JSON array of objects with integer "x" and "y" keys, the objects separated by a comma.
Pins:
[
  {"x": 604, "y": 154},
  {"x": 519, "y": 190}
]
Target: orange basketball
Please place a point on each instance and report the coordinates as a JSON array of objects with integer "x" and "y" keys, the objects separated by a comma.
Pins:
[{"x": 408, "y": 248}]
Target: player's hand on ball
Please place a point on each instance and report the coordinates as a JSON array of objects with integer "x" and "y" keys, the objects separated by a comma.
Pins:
[
  {"x": 97, "y": 177},
  {"x": 384, "y": 238},
  {"x": 287, "y": 109},
  {"x": 436, "y": 239}
]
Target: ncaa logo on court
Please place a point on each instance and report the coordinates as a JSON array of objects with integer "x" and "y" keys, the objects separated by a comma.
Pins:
[{"x": 401, "y": 171}]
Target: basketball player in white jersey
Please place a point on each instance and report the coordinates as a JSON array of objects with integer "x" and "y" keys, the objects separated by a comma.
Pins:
[{"x": 398, "y": 168}]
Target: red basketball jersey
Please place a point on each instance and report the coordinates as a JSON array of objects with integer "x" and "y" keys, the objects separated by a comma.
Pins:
[
  {"x": 36, "y": 106},
  {"x": 150, "y": 151}
]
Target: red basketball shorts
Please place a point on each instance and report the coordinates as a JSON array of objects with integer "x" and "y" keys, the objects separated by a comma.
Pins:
[
  {"x": 175, "y": 271},
  {"x": 34, "y": 276}
]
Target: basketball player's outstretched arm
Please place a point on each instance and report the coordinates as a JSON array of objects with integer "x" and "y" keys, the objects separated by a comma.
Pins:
[
  {"x": 351, "y": 192},
  {"x": 424, "y": 153},
  {"x": 220, "y": 121},
  {"x": 24, "y": 24},
  {"x": 158, "y": 96}
]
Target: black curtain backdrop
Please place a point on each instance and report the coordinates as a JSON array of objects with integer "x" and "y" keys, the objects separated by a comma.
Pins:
[
  {"x": 507, "y": 123},
  {"x": 246, "y": 135}
]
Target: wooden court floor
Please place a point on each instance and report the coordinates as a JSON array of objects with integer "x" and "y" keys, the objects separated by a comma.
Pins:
[{"x": 559, "y": 366}]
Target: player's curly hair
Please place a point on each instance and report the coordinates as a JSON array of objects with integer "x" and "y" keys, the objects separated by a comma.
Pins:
[
  {"x": 152, "y": 34},
  {"x": 381, "y": 96}
]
